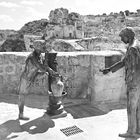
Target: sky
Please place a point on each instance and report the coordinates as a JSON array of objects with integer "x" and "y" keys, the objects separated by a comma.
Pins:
[{"x": 15, "y": 13}]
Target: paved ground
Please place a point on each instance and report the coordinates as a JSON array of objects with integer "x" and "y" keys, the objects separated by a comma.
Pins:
[{"x": 41, "y": 127}]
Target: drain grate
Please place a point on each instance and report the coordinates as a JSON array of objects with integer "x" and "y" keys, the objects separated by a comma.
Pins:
[{"x": 71, "y": 130}]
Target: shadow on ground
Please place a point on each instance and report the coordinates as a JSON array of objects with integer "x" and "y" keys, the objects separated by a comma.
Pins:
[
  {"x": 88, "y": 110},
  {"x": 8, "y": 127},
  {"x": 39, "y": 125},
  {"x": 82, "y": 111}
]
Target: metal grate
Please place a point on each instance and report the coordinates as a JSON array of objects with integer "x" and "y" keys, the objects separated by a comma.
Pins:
[{"x": 71, "y": 130}]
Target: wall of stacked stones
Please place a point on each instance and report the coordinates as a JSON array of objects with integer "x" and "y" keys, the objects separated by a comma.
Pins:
[{"x": 80, "y": 71}]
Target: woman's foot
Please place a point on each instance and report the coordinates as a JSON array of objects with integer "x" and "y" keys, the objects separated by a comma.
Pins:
[{"x": 22, "y": 117}]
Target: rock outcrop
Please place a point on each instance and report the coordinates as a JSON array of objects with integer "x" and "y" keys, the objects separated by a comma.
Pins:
[
  {"x": 36, "y": 27},
  {"x": 73, "y": 18},
  {"x": 58, "y": 16}
]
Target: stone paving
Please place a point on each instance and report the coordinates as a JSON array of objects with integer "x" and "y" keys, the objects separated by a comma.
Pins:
[{"x": 42, "y": 127}]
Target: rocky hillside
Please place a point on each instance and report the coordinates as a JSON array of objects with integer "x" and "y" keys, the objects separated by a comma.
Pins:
[
  {"x": 15, "y": 42},
  {"x": 35, "y": 27},
  {"x": 61, "y": 20}
]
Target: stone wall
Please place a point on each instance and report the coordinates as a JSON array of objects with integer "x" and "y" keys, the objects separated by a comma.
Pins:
[
  {"x": 80, "y": 71},
  {"x": 84, "y": 80},
  {"x": 11, "y": 67}
]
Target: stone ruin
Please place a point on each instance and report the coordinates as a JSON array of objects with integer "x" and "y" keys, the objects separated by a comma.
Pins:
[
  {"x": 73, "y": 26},
  {"x": 71, "y": 45}
]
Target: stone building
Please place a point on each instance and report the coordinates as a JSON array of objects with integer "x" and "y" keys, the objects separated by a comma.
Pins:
[{"x": 64, "y": 31}]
